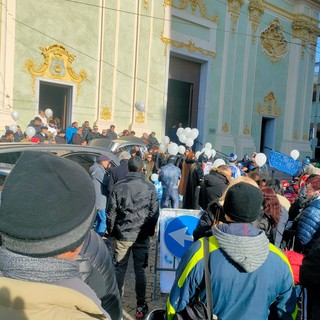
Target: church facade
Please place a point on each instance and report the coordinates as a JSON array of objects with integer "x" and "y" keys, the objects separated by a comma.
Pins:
[{"x": 241, "y": 72}]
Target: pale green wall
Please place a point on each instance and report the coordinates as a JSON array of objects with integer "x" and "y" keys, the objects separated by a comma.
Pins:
[
  {"x": 44, "y": 23},
  {"x": 75, "y": 25}
]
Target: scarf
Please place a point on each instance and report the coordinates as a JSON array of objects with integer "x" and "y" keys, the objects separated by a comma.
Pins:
[{"x": 47, "y": 270}]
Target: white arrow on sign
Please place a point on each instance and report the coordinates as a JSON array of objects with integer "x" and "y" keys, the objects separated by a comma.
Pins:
[{"x": 180, "y": 236}]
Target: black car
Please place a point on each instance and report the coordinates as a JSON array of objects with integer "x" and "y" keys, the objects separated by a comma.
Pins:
[
  {"x": 86, "y": 156},
  {"x": 120, "y": 144}
]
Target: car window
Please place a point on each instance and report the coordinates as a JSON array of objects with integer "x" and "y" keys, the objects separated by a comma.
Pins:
[
  {"x": 86, "y": 160},
  {"x": 101, "y": 142},
  {"x": 128, "y": 148},
  {"x": 10, "y": 157}
]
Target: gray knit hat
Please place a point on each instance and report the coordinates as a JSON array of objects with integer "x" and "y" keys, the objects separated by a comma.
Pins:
[{"x": 47, "y": 205}]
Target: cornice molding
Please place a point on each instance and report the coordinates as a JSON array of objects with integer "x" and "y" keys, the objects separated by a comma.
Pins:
[
  {"x": 190, "y": 46},
  {"x": 305, "y": 28},
  {"x": 184, "y": 4}
]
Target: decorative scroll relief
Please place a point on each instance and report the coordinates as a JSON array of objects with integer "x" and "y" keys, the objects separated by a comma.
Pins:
[
  {"x": 146, "y": 3},
  {"x": 305, "y": 137},
  {"x": 105, "y": 113},
  {"x": 295, "y": 136},
  {"x": 273, "y": 41},
  {"x": 256, "y": 10},
  {"x": 56, "y": 65},
  {"x": 140, "y": 117},
  {"x": 246, "y": 130},
  {"x": 190, "y": 46},
  {"x": 269, "y": 107},
  {"x": 194, "y": 4},
  {"x": 225, "y": 128},
  {"x": 234, "y": 7}
]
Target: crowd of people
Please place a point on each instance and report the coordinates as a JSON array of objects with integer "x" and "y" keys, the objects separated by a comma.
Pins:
[
  {"x": 255, "y": 234},
  {"x": 50, "y": 130}
]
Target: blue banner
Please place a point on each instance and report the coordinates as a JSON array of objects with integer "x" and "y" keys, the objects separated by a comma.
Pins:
[{"x": 284, "y": 163}]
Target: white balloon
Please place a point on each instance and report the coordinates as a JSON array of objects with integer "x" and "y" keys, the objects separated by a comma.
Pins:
[
  {"x": 295, "y": 154},
  {"x": 13, "y": 128},
  {"x": 140, "y": 106},
  {"x": 195, "y": 133},
  {"x": 208, "y": 145},
  {"x": 189, "y": 142},
  {"x": 207, "y": 152},
  {"x": 180, "y": 131},
  {"x": 154, "y": 177},
  {"x": 173, "y": 148},
  {"x": 187, "y": 130},
  {"x": 218, "y": 162},
  {"x": 181, "y": 149},
  {"x": 30, "y": 132},
  {"x": 260, "y": 159},
  {"x": 213, "y": 153},
  {"x": 162, "y": 147},
  {"x": 182, "y": 138},
  {"x": 190, "y": 135},
  {"x": 166, "y": 140},
  {"x": 48, "y": 113},
  {"x": 198, "y": 154},
  {"x": 15, "y": 115}
]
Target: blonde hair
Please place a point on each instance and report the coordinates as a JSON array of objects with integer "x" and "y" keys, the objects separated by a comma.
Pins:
[{"x": 235, "y": 181}]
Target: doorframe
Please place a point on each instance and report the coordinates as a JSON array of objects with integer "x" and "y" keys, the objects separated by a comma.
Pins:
[
  {"x": 70, "y": 113},
  {"x": 271, "y": 135},
  {"x": 203, "y": 105}
]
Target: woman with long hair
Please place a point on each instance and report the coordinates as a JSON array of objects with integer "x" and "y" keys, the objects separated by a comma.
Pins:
[
  {"x": 186, "y": 166},
  {"x": 270, "y": 215}
]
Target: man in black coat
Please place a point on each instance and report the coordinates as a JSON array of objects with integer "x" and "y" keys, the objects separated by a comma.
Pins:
[
  {"x": 120, "y": 172},
  {"x": 132, "y": 214}
]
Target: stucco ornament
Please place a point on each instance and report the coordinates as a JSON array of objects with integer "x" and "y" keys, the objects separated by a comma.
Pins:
[
  {"x": 273, "y": 41},
  {"x": 57, "y": 65},
  {"x": 270, "y": 106},
  {"x": 256, "y": 10}
]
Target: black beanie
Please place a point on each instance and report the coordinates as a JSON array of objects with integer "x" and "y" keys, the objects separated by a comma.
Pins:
[
  {"x": 47, "y": 205},
  {"x": 243, "y": 202}
]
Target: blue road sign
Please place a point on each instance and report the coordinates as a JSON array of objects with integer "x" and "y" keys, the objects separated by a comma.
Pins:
[{"x": 178, "y": 234}]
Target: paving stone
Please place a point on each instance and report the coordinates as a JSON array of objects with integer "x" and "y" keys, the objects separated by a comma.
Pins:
[{"x": 129, "y": 298}]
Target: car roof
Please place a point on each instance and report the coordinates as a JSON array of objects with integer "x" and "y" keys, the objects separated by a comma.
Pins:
[
  {"x": 64, "y": 148},
  {"x": 113, "y": 145}
]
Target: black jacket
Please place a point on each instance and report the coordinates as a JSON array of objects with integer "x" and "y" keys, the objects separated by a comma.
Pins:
[
  {"x": 117, "y": 173},
  {"x": 97, "y": 271},
  {"x": 191, "y": 196},
  {"x": 133, "y": 208},
  {"x": 213, "y": 214},
  {"x": 212, "y": 187}
]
